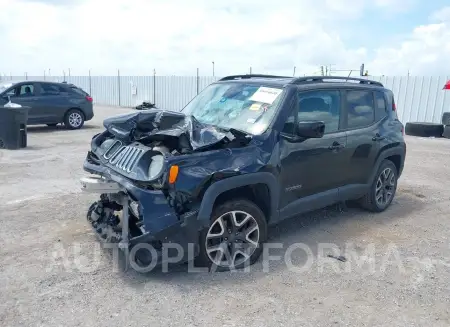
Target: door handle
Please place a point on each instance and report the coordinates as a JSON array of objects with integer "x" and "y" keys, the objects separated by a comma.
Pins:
[
  {"x": 378, "y": 137},
  {"x": 336, "y": 146}
]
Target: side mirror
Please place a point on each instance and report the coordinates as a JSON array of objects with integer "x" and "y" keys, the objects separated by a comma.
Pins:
[{"x": 310, "y": 129}]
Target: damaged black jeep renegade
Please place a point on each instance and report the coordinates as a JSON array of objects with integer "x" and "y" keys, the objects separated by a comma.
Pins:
[{"x": 246, "y": 153}]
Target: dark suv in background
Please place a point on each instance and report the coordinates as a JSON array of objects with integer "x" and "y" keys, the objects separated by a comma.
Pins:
[
  {"x": 50, "y": 103},
  {"x": 249, "y": 151}
]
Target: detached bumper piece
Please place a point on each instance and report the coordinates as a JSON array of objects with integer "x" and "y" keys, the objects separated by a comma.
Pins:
[{"x": 115, "y": 218}]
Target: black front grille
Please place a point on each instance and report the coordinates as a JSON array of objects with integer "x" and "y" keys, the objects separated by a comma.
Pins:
[{"x": 126, "y": 158}]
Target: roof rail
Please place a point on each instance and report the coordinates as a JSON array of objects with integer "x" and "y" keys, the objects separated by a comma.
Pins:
[
  {"x": 321, "y": 79},
  {"x": 248, "y": 76}
]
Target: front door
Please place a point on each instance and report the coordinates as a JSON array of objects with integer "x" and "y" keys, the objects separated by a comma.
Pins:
[
  {"x": 311, "y": 169},
  {"x": 26, "y": 95}
]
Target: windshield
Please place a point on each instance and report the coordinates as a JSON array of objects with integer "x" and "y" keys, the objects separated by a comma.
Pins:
[
  {"x": 246, "y": 107},
  {"x": 5, "y": 85}
]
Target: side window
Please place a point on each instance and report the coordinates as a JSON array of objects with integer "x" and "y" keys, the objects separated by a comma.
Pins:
[
  {"x": 380, "y": 106},
  {"x": 78, "y": 91},
  {"x": 26, "y": 90},
  {"x": 12, "y": 92},
  {"x": 361, "y": 109},
  {"x": 52, "y": 89},
  {"x": 321, "y": 105}
]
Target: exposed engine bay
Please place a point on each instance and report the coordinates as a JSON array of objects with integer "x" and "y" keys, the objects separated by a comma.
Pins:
[
  {"x": 137, "y": 145},
  {"x": 180, "y": 134}
]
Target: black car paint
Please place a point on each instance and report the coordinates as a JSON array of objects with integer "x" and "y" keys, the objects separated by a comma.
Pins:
[
  {"x": 290, "y": 177},
  {"x": 49, "y": 109}
]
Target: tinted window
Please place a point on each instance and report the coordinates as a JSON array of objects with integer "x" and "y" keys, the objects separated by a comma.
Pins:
[
  {"x": 78, "y": 91},
  {"x": 321, "y": 105},
  {"x": 380, "y": 105},
  {"x": 51, "y": 89},
  {"x": 11, "y": 92},
  {"x": 361, "y": 111},
  {"x": 26, "y": 90}
]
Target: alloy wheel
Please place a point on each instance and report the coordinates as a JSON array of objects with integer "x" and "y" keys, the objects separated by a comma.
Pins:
[
  {"x": 75, "y": 119},
  {"x": 385, "y": 187},
  {"x": 232, "y": 239}
]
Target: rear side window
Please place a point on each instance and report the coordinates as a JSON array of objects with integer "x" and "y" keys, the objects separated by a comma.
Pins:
[
  {"x": 78, "y": 91},
  {"x": 360, "y": 109},
  {"x": 52, "y": 89},
  {"x": 380, "y": 106}
]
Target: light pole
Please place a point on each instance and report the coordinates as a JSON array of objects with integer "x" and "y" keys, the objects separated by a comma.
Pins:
[
  {"x": 294, "y": 71},
  {"x": 213, "y": 67}
]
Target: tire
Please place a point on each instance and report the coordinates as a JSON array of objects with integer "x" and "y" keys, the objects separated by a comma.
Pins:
[
  {"x": 251, "y": 225},
  {"x": 424, "y": 129},
  {"x": 74, "y": 119},
  {"x": 446, "y": 132},
  {"x": 446, "y": 118},
  {"x": 369, "y": 201}
]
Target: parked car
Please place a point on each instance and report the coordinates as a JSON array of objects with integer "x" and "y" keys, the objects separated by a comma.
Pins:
[
  {"x": 249, "y": 151},
  {"x": 50, "y": 103}
]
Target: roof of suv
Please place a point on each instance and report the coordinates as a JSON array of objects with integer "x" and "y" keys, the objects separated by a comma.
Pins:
[
  {"x": 33, "y": 81},
  {"x": 307, "y": 81}
]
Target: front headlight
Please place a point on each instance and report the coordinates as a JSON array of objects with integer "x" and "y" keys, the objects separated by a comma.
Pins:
[{"x": 156, "y": 166}]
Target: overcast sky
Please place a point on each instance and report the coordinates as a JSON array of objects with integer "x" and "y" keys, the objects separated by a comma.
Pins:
[{"x": 177, "y": 36}]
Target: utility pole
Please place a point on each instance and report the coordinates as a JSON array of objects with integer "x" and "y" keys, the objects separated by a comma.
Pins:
[
  {"x": 322, "y": 71},
  {"x": 250, "y": 70},
  {"x": 213, "y": 68},
  {"x": 294, "y": 71}
]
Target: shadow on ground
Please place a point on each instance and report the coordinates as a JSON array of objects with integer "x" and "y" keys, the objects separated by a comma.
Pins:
[
  {"x": 51, "y": 129},
  {"x": 329, "y": 225}
]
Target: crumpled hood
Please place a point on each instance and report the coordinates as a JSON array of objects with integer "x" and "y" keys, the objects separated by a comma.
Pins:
[{"x": 164, "y": 125}]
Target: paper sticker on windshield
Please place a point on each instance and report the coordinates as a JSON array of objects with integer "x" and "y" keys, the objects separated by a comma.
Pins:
[
  {"x": 266, "y": 95},
  {"x": 255, "y": 106}
]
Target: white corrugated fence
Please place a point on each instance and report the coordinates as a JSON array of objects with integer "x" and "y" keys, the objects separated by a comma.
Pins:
[{"x": 417, "y": 98}]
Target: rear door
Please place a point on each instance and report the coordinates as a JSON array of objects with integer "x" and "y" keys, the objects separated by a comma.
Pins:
[
  {"x": 53, "y": 101},
  {"x": 363, "y": 122}
]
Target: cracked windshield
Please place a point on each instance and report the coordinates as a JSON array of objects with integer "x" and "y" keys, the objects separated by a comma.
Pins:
[{"x": 246, "y": 107}]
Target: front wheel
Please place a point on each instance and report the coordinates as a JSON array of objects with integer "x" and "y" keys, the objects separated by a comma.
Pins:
[
  {"x": 234, "y": 238},
  {"x": 74, "y": 119},
  {"x": 383, "y": 188}
]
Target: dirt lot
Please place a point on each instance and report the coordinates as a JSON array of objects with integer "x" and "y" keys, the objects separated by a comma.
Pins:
[{"x": 53, "y": 273}]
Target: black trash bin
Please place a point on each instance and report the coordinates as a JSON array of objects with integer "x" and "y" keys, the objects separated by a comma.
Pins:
[{"x": 13, "y": 127}]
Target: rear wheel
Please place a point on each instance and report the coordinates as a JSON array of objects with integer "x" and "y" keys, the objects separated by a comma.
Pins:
[
  {"x": 74, "y": 119},
  {"x": 234, "y": 238},
  {"x": 383, "y": 188}
]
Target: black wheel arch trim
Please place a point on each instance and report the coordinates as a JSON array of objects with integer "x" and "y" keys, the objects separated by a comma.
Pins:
[
  {"x": 388, "y": 152},
  {"x": 211, "y": 194}
]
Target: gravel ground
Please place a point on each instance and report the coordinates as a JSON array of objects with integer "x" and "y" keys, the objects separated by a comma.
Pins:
[{"x": 53, "y": 272}]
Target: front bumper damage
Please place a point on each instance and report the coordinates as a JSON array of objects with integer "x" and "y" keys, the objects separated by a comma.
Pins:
[{"x": 139, "y": 221}]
